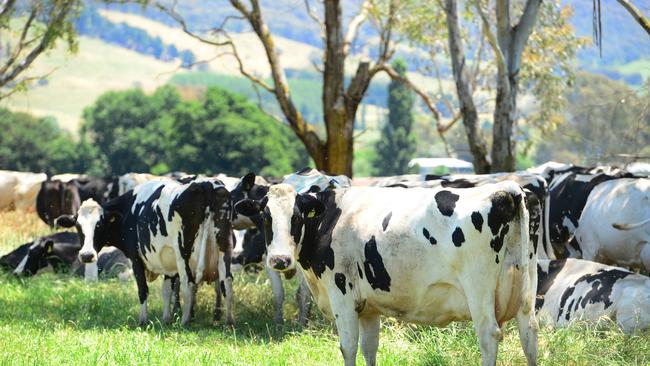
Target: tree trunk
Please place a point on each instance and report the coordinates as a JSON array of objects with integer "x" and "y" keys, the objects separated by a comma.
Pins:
[
  {"x": 503, "y": 146},
  {"x": 477, "y": 143}
]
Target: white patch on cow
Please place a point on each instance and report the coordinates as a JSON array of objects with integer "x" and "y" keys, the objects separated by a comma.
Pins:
[
  {"x": 88, "y": 216},
  {"x": 20, "y": 269},
  {"x": 282, "y": 198}
]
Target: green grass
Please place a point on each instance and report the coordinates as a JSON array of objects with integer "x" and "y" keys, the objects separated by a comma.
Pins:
[{"x": 56, "y": 319}]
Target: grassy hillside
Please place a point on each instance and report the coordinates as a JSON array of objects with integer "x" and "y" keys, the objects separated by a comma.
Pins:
[
  {"x": 57, "y": 319},
  {"x": 78, "y": 79}
]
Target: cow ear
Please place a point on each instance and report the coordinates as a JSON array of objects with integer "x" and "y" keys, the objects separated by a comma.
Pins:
[
  {"x": 49, "y": 246},
  {"x": 247, "y": 182},
  {"x": 309, "y": 206},
  {"x": 113, "y": 216},
  {"x": 66, "y": 221},
  {"x": 248, "y": 207},
  {"x": 222, "y": 194}
]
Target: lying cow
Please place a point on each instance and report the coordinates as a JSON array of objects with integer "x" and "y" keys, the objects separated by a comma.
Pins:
[
  {"x": 166, "y": 228},
  {"x": 575, "y": 289},
  {"x": 56, "y": 252},
  {"x": 614, "y": 227},
  {"x": 420, "y": 255}
]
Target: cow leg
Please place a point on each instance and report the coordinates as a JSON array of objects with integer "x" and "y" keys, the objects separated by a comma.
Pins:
[
  {"x": 369, "y": 328},
  {"x": 278, "y": 294},
  {"x": 176, "y": 289},
  {"x": 226, "y": 282},
  {"x": 143, "y": 290},
  {"x": 216, "y": 316},
  {"x": 304, "y": 300},
  {"x": 347, "y": 325},
  {"x": 188, "y": 289},
  {"x": 527, "y": 325},
  {"x": 167, "y": 299},
  {"x": 481, "y": 307}
]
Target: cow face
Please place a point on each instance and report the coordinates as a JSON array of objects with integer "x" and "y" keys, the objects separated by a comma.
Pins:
[
  {"x": 95, "y": 227},
  {"x": 249, "y": 247},
  {"x": 36, "y": 258},
  {"x": 281, "y": 215}
]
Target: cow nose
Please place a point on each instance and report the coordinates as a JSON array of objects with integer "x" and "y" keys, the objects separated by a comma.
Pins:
[
  {"x": 87, "y": 257},
  {"x": 280, "y": 262}
]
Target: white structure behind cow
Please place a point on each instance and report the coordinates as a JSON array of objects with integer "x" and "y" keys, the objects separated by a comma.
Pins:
[
  {"x": 18, "y": 190},
  {"x": 573, "y": 289},
  {"x": 421, "y": 255}
]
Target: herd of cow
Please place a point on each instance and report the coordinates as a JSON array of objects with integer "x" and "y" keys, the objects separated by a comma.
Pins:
[{"x": 557, "y": 243}]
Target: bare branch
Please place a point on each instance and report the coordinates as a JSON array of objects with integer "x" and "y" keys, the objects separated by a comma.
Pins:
[
  {"x": 354, "y": 26},
  {"x": 500, "y": 59},
  {"x": 636, "y": 14},
  {"x": 179, "y": 19},
  {"x": 404, "y": 80},
  {"x": 312, "y": 14},
  {"x": 7, "y": 6}
]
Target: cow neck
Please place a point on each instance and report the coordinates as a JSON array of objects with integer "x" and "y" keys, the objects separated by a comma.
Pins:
[{"x": 315, "y": 250}]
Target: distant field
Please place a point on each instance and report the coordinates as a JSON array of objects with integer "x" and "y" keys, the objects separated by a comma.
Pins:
[
  {"x": 78, "y": 79},
  {"x": 641, "y": 67},
  {"x": 55, "y": 319}
]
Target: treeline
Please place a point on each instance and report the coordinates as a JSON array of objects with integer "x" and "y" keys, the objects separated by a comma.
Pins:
[
  {"x": 129, "y": 131},
  {"x": 91, "y": 24}
]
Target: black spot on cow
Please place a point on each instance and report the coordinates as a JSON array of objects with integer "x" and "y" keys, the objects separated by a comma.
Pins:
[
  {"x": 446, "y": 202},
  {"x": 316, "y": 252},
  {"x": 360, "y": 271},
  {"x": 545, "y": 280},
  {"x": 477, "y": 220},
  {"x": 384, "y": 223},
  {"x": 496, "y": 259},
  {"x": 428, "y": 236},
  {"x": 339, "y": 279},
  {"x": 601, "y": 286},
  {"x": 458, "y": 237},
  {"x": 457, "y": 183},
  {"x": 147, "y": 221},
  {"x": 503, "y": 210},
  {"x": 376, "y": 273},
  {"x": 351, "y": 286}
]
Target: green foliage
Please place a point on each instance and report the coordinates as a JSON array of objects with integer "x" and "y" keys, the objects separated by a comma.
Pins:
[
  {"x": 605, "y": 118},
  {"x": 396, "y": 145},
  {"x": 35, "y": 144},
  {"x": 220, "y": 133}
]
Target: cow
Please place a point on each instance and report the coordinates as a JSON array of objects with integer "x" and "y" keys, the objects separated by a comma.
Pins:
[
  {"x": 167, "y": 228},
  {"x": 567, "y": 196},
  {"x": 56, "y": 251},
  {"x": 129, "y": 181},
  {"x": 56, "y": 198},
  {"x": 250, "y": 249},
  {"x": 614, "y": 227},
  {"x": 18, "y": 190},
  {"x": 573, "y": 289},
  {"x": 420, "y": 255}
]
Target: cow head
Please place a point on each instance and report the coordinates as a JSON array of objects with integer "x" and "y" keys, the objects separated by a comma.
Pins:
[
  {"x": 281, "y": 216},
  {"x": 37, "y": 257},
  {"x": 57, "y": 198},
  {"x": 246, "y": 189},
  {"x": 249, "y": 247},
  {"x": 95, "y": 227}
]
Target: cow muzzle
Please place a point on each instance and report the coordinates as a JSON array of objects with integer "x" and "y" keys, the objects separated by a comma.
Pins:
[
  {"x": 281, "y": 263},
  {"x": 87, "y": 257}
]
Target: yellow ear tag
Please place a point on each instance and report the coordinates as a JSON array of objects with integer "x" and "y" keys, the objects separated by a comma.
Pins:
[
  {"x": 112, "y": 219},
  {"x": 311, "y": 214},
  {"x": 49, "y": 249}
]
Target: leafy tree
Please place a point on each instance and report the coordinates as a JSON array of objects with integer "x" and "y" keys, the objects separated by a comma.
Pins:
[
  {"x": 32, "y": 27},
  {"x": 35, "y": 144},
  {"x": 396, "y": 145}
]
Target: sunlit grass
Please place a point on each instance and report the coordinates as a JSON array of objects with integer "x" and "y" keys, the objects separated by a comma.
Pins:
[{"x": 57, "y": 319}]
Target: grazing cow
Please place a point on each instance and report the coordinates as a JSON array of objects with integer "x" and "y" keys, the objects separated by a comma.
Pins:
[
  {"x": 18, "y": 190},
  {"x": 57, "y": 251},
  {"x": 57, "y": 198},
  {"x": 614, "y": 227},
  {"x": 567, "y": 196},
  {"x": 575, "y": 289},
  {"x": 421, "y": 255},
  {"x": 168, "y": 228}
]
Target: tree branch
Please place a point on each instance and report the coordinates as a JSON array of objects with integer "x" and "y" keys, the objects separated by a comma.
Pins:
[
  {"x": 500, "y": 59},
  {"x": 636, "y": 14},
  {"x": 421, "y": 93},
  {"x": 312, "y": 14},
  {"x": 354, "y": 26}
]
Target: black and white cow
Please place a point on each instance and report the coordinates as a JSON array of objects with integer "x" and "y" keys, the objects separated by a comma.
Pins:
[
  {"x": 421, "y": 255},
  {"x": 168, "y": 228},
  {"x": 575, "y": 289},
  {"x": 56, "y": 252},
  {"x": 567, "y": 196},
  {"x": 614, "y": 227}
]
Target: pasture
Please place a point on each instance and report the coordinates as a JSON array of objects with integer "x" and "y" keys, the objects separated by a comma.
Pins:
[{"x": 58, "y": 319}]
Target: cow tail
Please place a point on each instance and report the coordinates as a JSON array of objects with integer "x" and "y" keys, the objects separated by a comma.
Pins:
[{"x": 528, "y": 254}]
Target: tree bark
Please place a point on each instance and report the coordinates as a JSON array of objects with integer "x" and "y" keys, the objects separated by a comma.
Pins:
[
  {"x": 475, "y": 139},
  {"x": 636, "y": 14}
]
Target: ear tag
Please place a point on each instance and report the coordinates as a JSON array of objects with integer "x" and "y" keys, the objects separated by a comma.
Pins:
[
  {"x": 112, "y": 219},
  {"x": 311, "y": 214},
  {"x": 49, "y": 249}
]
